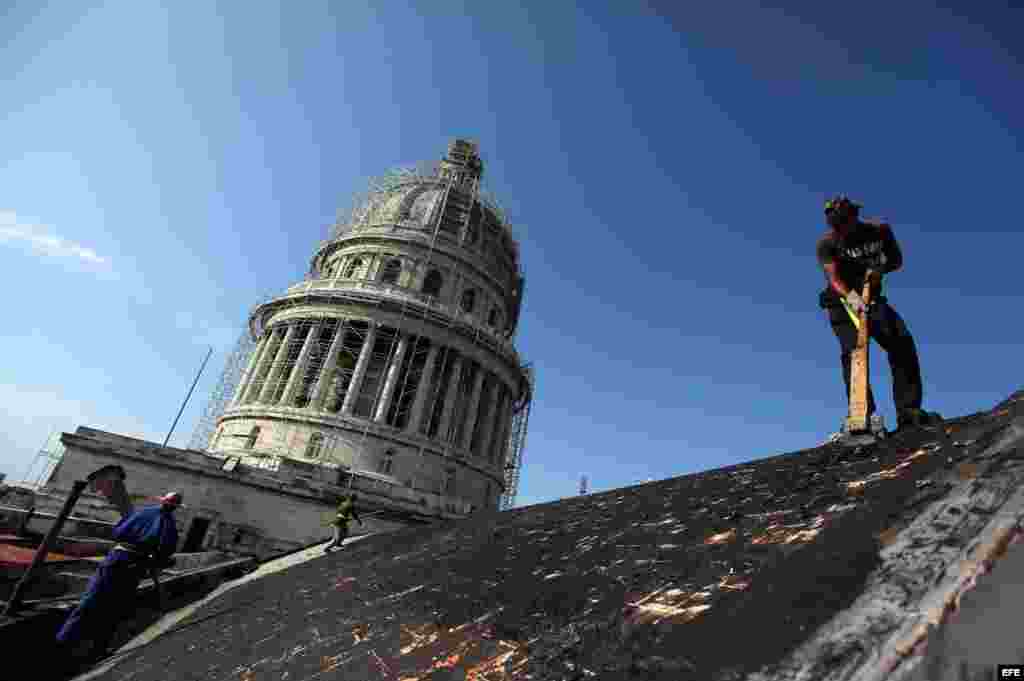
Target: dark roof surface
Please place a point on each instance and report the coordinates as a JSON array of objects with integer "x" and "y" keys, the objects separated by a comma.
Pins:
[{"x": 715, "y": 575}]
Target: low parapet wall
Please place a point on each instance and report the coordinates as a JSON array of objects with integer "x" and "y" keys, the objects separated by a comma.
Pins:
[
  {"x": 241, "y": 509},
  {"x": 20, "y": 520}
]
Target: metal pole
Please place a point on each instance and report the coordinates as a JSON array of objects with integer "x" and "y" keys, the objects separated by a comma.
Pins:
[
  {"x": 14, "y": 602},
  {"x": 173, "y": 425}
]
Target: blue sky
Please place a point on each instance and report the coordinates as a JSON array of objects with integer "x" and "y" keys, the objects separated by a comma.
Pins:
[{"x": 163, "y": 166}]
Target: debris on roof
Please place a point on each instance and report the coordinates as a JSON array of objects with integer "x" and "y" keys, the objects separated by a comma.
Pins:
[{"x": 827, "y": 563}]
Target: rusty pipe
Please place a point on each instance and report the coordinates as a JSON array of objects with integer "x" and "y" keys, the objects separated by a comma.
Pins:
[{"x": 14, "y": 602}]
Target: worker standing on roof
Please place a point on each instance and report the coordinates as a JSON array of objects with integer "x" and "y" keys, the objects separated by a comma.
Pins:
[
  {"x": 145, "y": 538},
  {"x": 846, "y": 252},
  {"x": 345, "y": 514}
]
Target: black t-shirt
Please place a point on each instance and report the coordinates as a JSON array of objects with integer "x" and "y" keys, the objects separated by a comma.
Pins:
[{"x": 865, "y": 247}]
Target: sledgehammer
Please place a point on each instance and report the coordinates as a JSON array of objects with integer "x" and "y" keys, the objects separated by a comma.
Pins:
[{"x": 858, "y": 427}]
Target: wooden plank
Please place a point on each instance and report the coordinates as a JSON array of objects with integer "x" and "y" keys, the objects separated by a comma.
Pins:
[{"x": 857, "y": 421}]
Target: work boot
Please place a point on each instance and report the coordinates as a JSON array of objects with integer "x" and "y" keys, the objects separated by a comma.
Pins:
[
  {"x": 916, "y": 418},
  {"x": 834, "y": 438}
]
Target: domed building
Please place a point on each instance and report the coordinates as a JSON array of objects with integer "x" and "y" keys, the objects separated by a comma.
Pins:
[
  {"x": 389, "y": 371},
  {"x": 393, "y": 363}
]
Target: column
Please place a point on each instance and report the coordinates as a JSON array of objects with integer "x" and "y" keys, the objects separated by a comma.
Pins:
[
  {"x": 259, "y": 374},
  {"x": 299, "y": 371},
  {"x": 487, "y": 434},
  {"x": 419, "y": 403},
  {"x": 391, "y": 379},
  {"x": 449, "y": 399},
  {"x": 473, "y": 409},
  {"x": 456, "y": 296},
  {"x": 370, "y": 272},
  {"x": 250, "y": 371},
  {"x": 327, "y": 373},
  {"x": 338, "y": 270},
  {"x": 360, "y": 370},
  {"x": 277, "y": 364}
]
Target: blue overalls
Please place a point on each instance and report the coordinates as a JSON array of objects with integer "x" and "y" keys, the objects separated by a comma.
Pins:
[{"x": 147, "y": 537}]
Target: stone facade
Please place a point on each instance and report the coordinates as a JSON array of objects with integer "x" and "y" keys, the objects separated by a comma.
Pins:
[
  {"x": 394, "y": 360},
  {"x": 240, "y": 509}
]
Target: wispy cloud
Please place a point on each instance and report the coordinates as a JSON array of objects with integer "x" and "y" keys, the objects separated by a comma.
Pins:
[{"x": 41, "y": 241}]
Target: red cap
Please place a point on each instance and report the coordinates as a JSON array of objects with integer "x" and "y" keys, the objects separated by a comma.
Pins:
[{"x": 171, "y": 499}]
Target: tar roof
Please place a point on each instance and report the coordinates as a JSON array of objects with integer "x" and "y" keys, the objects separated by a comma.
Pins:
[{"x": 719, "y": 575}]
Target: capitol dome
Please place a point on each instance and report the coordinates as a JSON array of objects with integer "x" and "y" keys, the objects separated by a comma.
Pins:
[
  {"x": 413, "y": 204},
  {"x": 393, "y": 364}
]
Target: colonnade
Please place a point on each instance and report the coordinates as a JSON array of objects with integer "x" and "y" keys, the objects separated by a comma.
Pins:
[{"x": 362, "y": 369}]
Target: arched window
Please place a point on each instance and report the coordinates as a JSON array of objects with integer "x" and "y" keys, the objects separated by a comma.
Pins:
[
  {"x": 354, "y": 267},
  {"x": 254, "y": 435},
  {"x": 387, "y": 463},
  {"x": 432, "y": 284},
  {"x": 468, "y": 300},
  {"x": 392, "y": 270},
  {"x": 315, "y": 446},
  {"x": 494, "y": 317},
  {"x": 472, "y": 234},
  {"x": 449, "y": 482}
]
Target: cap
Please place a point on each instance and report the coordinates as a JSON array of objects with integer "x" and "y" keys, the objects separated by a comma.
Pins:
[{"x": 171, "y": 499}]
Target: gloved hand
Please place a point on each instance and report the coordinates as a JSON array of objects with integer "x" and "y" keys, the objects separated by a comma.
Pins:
[{"x": 856, "y": 302}]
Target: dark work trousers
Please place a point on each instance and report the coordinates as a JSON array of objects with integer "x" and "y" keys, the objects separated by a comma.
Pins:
[
  {"x": 890, "y": 331},
  {"x": 340, "y": 533}
]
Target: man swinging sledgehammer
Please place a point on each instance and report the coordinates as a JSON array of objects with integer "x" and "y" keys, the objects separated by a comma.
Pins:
[{"x": 847, "y": 252}]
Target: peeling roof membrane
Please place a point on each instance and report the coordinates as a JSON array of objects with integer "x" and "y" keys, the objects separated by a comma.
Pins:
[
  {"x": 822, "y": 564},
  {"x": 721, "y": 537}
]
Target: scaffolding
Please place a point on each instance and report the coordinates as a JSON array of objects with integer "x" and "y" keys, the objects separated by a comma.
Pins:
[
  {"x": 318, "y": 374},
  {"x": 223, "y": 391},
  {"x": 517, "y": 439},
  {"x": 363, "y": 205},
  {"x": 45, "y": 460}
]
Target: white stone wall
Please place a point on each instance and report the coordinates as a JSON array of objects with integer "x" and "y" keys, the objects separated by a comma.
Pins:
[
  {"x": 458, "y": 274},
  {"x": 276, "y": 511},
  {"x": 270, "y": 522},
  {"x": 486, "y": 246},
  {"x": 364, "y": 452}
]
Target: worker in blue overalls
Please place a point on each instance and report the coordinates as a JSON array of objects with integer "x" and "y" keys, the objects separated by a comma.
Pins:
[{"x": 145, "y": 538}]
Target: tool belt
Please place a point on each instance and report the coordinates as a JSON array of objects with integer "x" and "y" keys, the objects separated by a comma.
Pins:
[{"x": 135, "y": 551}]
